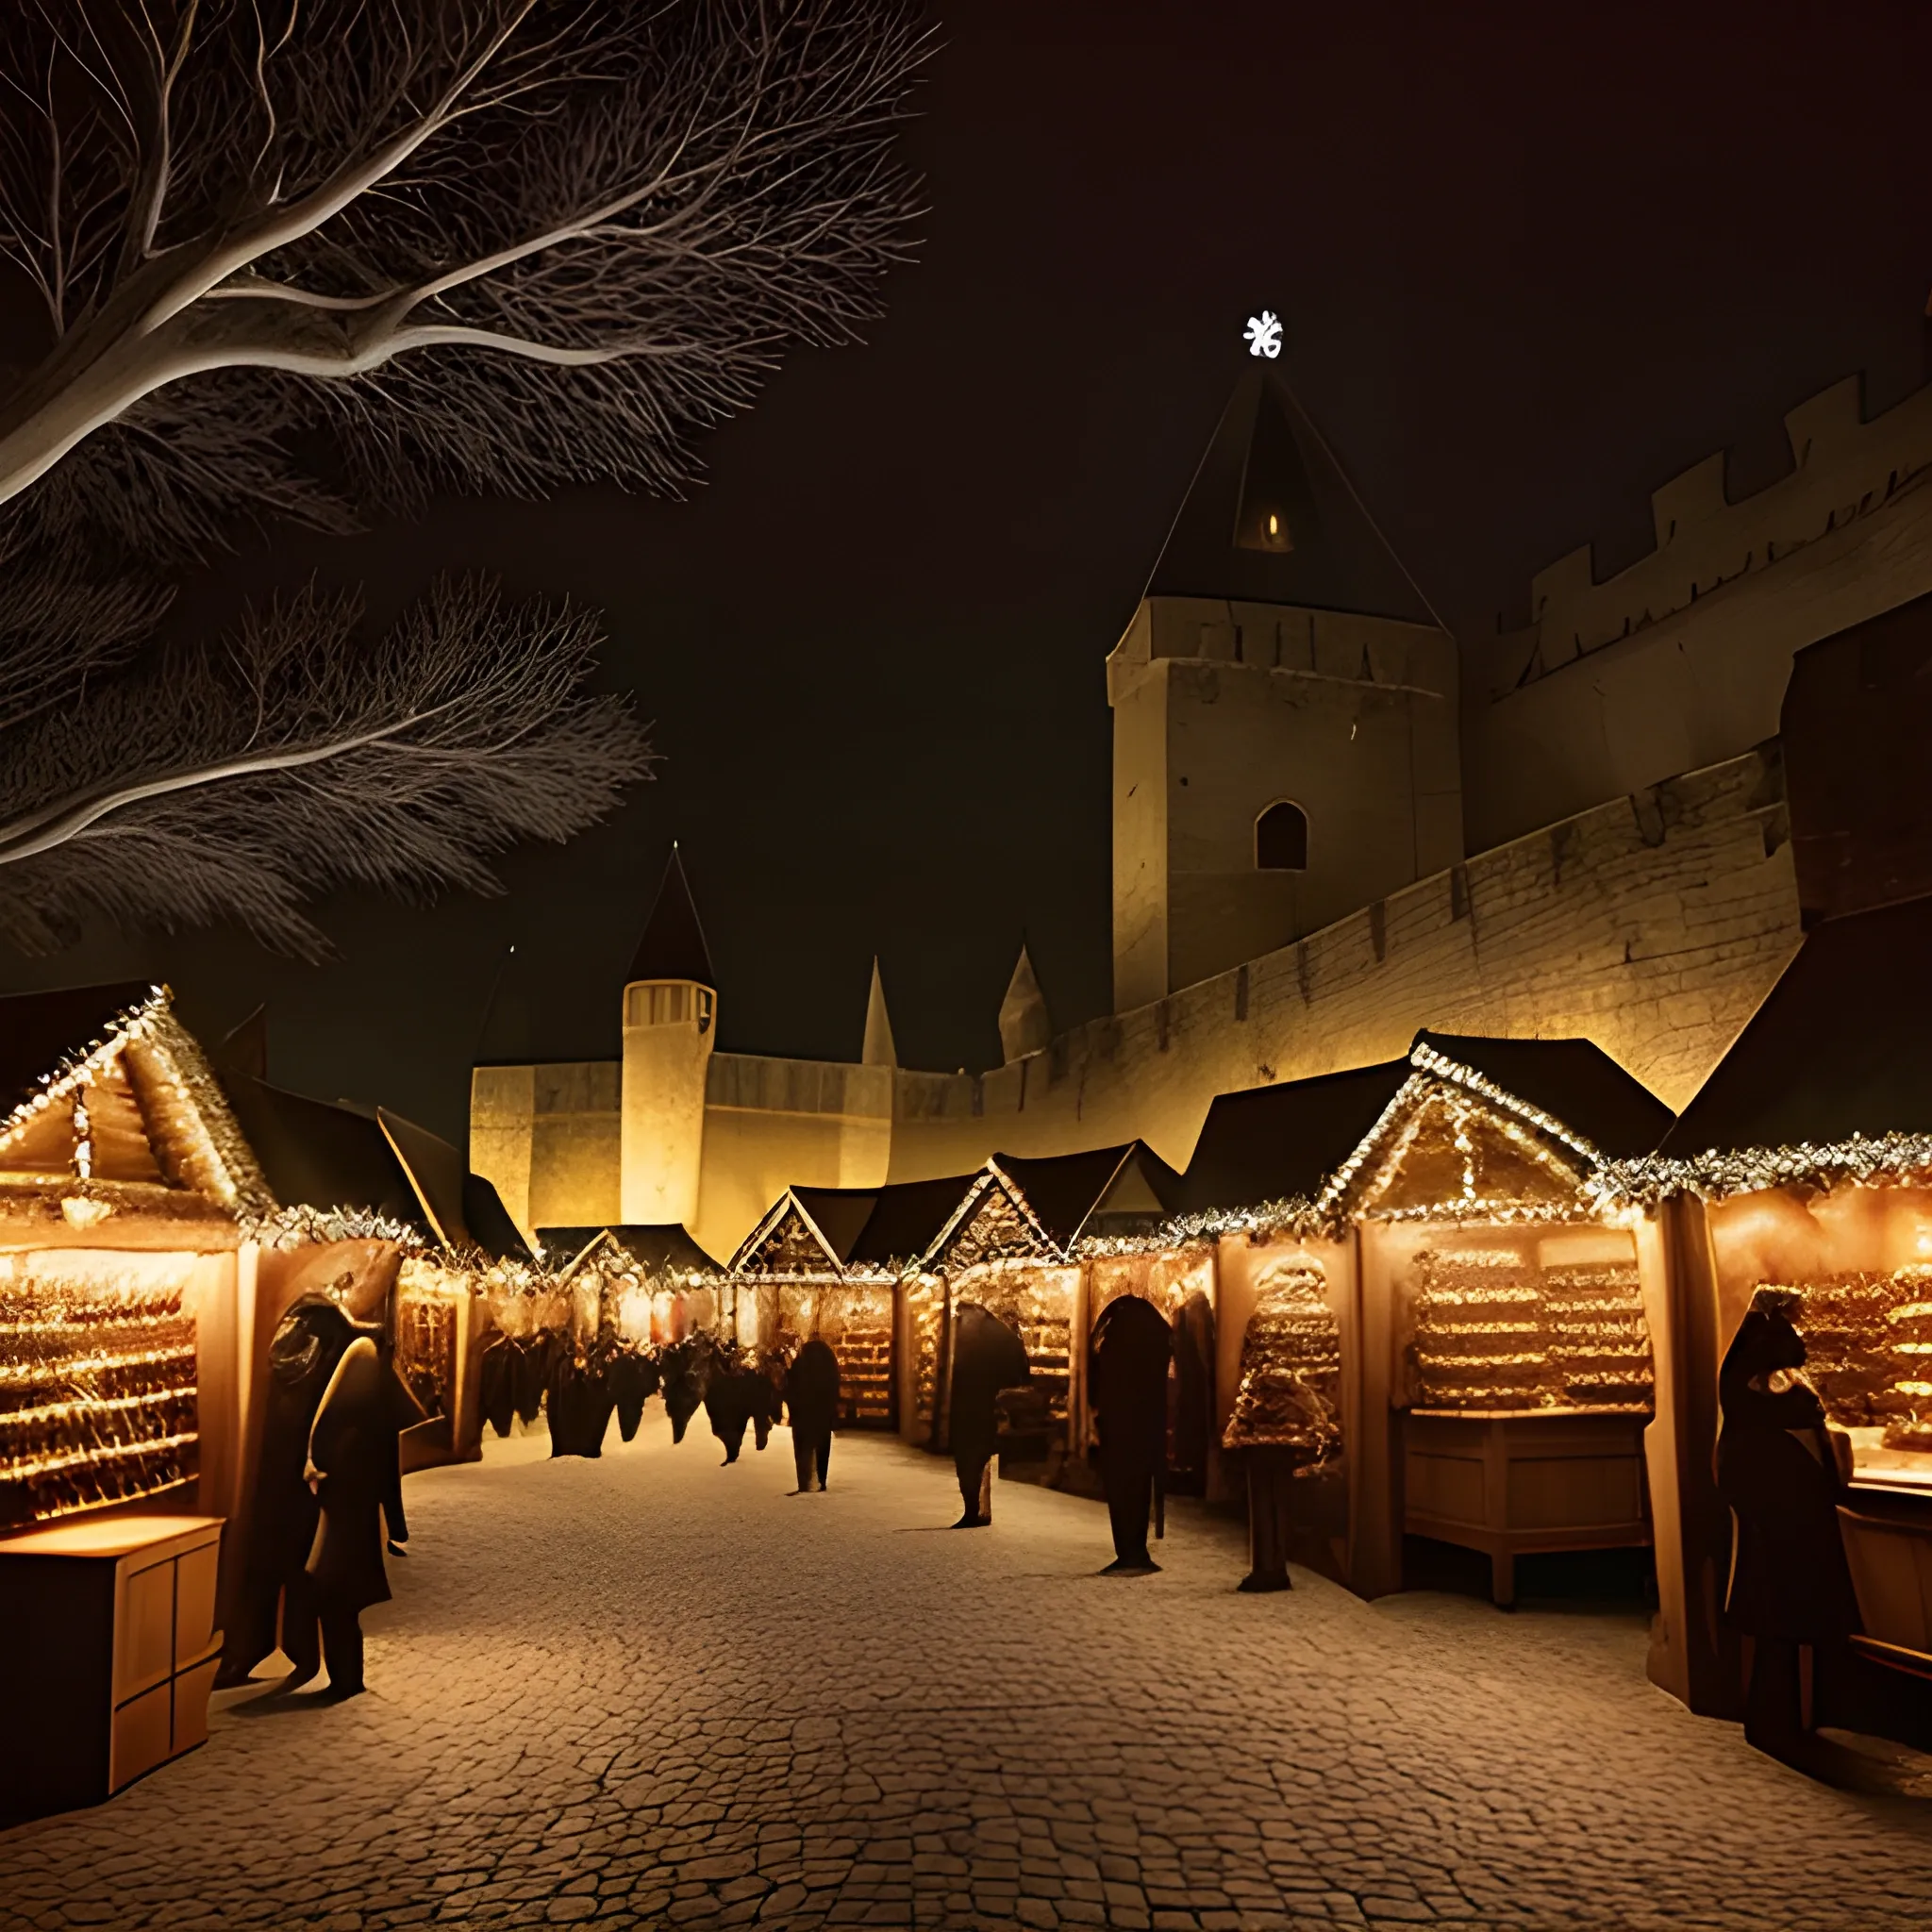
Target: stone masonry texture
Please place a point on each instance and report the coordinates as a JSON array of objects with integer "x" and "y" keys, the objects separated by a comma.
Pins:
[{"x": 651, "y": 1692}]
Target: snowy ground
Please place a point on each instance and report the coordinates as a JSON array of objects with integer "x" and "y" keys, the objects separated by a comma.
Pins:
[{"x": 652, "y": 1692}]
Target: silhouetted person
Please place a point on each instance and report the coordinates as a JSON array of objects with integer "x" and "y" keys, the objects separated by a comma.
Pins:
[
  {"x": 1129, "y": 1353},
  {"x": 347, "y": 1464},
  {"x": 1283, "y": 1426},
  {"x": 686, "y": 1368},
  {"x": 307, "y": 1343},
  {"x": 1193, "y": 1375},
  {"x": 738, "y": 1395},
  {"x": 1777, "y": 1468},
  {"x": 405, "y": 1410},
  {"x": 581, "y": 1402},
  {"x": 633, "y": 1382},
  {"x": 811, "y": 1395},
  {"x": 988, "y": 1356}
]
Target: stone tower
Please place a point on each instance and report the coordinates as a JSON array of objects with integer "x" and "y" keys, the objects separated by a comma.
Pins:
[
  {"x": 670, "y": 1028},
  {"x": 1285, "y": 739}
]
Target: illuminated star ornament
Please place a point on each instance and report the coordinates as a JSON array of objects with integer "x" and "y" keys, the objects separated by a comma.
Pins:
[{"x": 1264, "y": 334}]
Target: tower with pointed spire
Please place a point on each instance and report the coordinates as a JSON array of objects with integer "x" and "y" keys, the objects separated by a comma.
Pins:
[
  {"x": 670, "y": 1032},
  {"x": 1285, "y": 712}
]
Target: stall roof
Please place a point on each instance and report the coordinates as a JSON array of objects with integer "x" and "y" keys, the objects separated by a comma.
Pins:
[
  {"x": 663, "y": 1246},
  {"x": 1288, "y": 1142},
  {"x": 1067, "y": 1191},
  {"x": 40, "y": 1032},
  {"x": 1282, "y": 1142},
  {"x": 155, "y": 1120},
  {"x": 324, "y": 1155},
  {"x": 1842, "y": 1046},
  {"x": 1574, "y": 1081},
  {"x": 907, "y": 1217}
]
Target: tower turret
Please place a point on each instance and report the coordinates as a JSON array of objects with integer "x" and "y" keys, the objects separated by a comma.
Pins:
[{"x": 670, "y": 1029}]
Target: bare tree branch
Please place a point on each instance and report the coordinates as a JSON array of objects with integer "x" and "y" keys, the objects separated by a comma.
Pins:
[
  {"x": 372, "y": 215},
  {"x": 242, "y": 779}
]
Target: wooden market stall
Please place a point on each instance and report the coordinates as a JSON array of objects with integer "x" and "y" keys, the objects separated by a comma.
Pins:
[
  {"x": 123, "y": 1378},
  {"x": 798, "y": 1274},
  {"x": 1805, "y": 1163},
  {"x": 1487, "y": 1308}
]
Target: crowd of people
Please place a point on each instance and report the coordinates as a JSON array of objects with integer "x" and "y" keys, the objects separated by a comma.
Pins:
[{"x": 327, "y": 1500}]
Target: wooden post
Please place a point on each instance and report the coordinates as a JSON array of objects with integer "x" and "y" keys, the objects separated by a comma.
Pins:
[
  {"x": 1695, "y": 1656},
  {"x": 1374, "y": 1463}
]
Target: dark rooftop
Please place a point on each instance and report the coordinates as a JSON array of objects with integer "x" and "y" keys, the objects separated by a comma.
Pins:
[
  {"x": 1842, "y": 1046},
  {"x": 40, "y": 1032},
  {"x": 1270, "y": 518},
  {"x": 674, "y": 946}
]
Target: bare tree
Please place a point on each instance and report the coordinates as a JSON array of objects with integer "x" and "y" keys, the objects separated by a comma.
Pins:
[
  {"x": 301, "y": 257},
  {"x": 501, "y": 244},
  {"x": 241, "y": 779}
]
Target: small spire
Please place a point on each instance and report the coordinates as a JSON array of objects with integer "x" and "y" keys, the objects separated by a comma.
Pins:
[
  {"x": 674, "y": 946},
  {"x": 1023, "y": 1025},
  {"x": 878, "y": 1050}
]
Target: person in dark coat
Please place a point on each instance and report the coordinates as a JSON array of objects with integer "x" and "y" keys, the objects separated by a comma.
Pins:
[
  {"x": 581, "y": 1401},
  {"x": 347, "y": 1466},
  {"x": 686, "y": 1369},
  {"x": 988, "y": 1356},
  {"x": 307, "y": 1343},
  {"x": 811, "y": 1397},
  {"x": 633, "y": 1374},
  {"x": 738, "y": 1395},
  {"x": 1128, "y": 1381},
  {"x": 1778, "y": 1468}
]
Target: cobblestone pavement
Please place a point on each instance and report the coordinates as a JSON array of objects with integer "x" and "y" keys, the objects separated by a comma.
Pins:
[{"x": 652, "y": 1692}]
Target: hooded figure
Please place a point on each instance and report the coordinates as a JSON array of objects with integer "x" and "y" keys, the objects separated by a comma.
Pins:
[
  {"x": 1128, "y": 1384},
  {"x": 1778, "y": 1471},
  {"x": 988, "y": 1356},
  {"x": 347, "y": 1464},
  {"x": 686, "y": 1371},
  {"x": 309, "y": 1342},
  {"x": 811, "y": 1395}
]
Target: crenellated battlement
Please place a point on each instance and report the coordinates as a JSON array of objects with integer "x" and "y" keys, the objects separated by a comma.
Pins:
[{"x": 1845, "y": 468}]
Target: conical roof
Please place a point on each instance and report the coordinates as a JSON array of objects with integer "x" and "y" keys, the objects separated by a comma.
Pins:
[
  {"x": 1270, "y": 518},
  {"x": 674, "y": 946}
]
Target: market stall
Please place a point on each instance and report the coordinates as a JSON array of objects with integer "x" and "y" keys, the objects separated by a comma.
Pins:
[
  {"x": 1805, "y": 1163},
  {"x": 1489, "y": 1310}
]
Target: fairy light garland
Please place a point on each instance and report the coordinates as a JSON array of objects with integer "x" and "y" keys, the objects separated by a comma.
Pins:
[{"x": 1887, "y": 1160}]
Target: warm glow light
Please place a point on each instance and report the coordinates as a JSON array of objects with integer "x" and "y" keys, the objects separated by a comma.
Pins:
[{"x": 1263, "y": 335}]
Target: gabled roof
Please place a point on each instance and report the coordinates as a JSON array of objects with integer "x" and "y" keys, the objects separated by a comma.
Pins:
[
  {"x": 659, "y": 1247},
  {"x": 1066, "y": 1191},
  {"x": 1283, "y": 1142},
  {"x": 104, "y": 1094},
  {"x": 906, "y": 1219},
  {"x": 322, "y": 1155},
  {"x": 672, "y": 945},
  {"x": 1840, "y": 1048},
  {"x": 1270, "y": 518},
  {"x": 807, "y": 1230},
  {"x": 1565, "y": 1104},
  {"x": 1574, "y": 1081}
]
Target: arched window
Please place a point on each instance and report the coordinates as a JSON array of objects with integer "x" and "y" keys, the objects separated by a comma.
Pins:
[{"x": 1281, "y": 839}]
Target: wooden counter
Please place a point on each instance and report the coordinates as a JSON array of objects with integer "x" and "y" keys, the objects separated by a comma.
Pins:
[
  {"x": 112, "y": 1622},
  {"x": 1516, "y": 1482},
  {"x": 1887, "y": 1533}
]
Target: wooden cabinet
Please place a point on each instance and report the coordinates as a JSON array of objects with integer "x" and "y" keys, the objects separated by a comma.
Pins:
[
  {"x": 1511, "y": 1482},
  {"x": 111, "y": 1622}
]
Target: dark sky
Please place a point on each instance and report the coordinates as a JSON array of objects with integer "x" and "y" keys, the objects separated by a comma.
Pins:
[{"x": 1534, "y": 260}]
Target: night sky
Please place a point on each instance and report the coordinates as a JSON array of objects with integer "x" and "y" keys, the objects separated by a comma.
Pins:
[{"x": 1530, "y": 270}]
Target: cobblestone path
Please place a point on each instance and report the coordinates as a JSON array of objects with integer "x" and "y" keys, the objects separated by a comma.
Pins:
[{"x": 652, "y": 1692}]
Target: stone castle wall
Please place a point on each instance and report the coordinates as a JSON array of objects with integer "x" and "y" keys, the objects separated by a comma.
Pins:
[
  {"x": 1653, "y": 925},
  {"x": 1682, "y": 660}
]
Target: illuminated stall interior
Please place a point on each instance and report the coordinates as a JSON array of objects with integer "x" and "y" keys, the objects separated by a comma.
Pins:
[
  {"x": 644, "y": 1285},
  {"x": 798, "y": 1274},
  {"x": 122, "y": 1178},
  {"x": 1806, "y": 1162}
]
